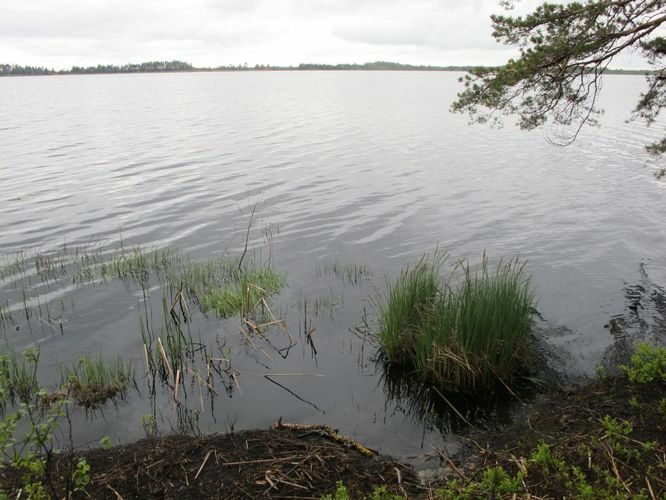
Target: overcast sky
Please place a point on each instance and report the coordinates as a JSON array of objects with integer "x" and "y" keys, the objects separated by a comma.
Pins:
[{"x": 62, "y": 33}]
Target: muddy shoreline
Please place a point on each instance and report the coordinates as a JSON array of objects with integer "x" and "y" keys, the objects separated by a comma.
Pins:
[
  {"x": 310, "y": 461},
  {"x": 276, "y": 463}
]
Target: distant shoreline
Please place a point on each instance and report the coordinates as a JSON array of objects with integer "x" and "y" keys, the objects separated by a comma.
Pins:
[{"x": 8, "y": 70}]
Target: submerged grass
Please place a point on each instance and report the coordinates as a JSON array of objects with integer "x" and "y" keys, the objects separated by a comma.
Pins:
[
  {"x": 18, "y": 378},
  {"x": 244, "y": 294},
  {"x": 138, "y": 264},
  {"x": 90, "y": 383},
  {"x": 93, "y": 381},
  {"x": 224, "y": 286},
  {"x": 464, "y": 335},
  {"x": 169, "y": 350},
  {"x": 349, "y": 273},
  {"x": 12, "y": 266}
]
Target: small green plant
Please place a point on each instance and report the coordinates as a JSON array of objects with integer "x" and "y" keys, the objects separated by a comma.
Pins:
[
  {"x": 583, "y": 488},
  {"x": 616, "y": 428},
  {"x": 497, "y": 482},
  {"x": 600, "y": 371},
  {"x": 661, "y": 406},
  {"x": 32, "y": 454},
  {"x": 382, "y": 493},
  {"x": 378, "y": 493},
  {"x": 648, "y": 364},
  {"x": 617, "y": 432},
  {"x": 149, "y": 424},
  {"x": 542, "y": 456},
  {"x": 105, "y": 442},
  {"x": 494, "y": 482},
  {"x": 81, "y": 475},
  {"x": 341, "y": 493}
]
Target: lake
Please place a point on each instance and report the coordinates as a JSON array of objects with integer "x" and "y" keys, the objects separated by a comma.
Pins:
[{"x": 362, "y": 171}]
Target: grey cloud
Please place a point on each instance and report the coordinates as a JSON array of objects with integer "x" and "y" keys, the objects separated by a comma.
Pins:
[
  {"x": 211, "y": 32},
  {"x": 449, "y": 28}
]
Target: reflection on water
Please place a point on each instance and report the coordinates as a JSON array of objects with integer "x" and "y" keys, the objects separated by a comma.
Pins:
[
  {"x": 643, "y": 319},
  {"x": 447, "y": 412},
  {"x": 357, "y": 175}
]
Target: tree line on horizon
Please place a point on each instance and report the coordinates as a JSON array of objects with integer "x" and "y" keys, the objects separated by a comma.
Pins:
[
  {"x": 145, "y": 67},
  {"x": 166, "y": 66},
  {"x": 180, "y": 66}
]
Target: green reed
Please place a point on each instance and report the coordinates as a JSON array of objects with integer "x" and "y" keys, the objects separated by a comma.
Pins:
[
  {"x": 18, "y": 378},
  {"x": 460, "y": 335},
  {"x": 349, "y": 273}
]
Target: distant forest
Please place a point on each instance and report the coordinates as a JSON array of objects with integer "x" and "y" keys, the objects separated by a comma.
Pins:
[{"x": 179, "y": 66}]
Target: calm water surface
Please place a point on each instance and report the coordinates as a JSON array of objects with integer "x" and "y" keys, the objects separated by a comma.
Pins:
[{"x": 362, "y": 168}]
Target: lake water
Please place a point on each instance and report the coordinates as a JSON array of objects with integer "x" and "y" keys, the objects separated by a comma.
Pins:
[{"x": 365, "y": 168}]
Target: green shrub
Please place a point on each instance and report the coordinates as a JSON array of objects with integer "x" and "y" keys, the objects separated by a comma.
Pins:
[
  {"x": 648, "y": 364},
  {"x": 30, "y": 452},
  {"x": 462, "y": 335},
  {"x": 497, "y": 483}
]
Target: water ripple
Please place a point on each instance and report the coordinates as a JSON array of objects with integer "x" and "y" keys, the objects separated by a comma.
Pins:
[{"x": 366, "y": 166}]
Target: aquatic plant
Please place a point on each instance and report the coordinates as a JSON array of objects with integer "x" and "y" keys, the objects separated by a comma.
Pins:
[
  {"x": 243, "y": 295},
  {"x": 168, "y": 350},
  {"x": 12, "y": 266},
  {"x": 18, "y": 378},
  {"x": 348, "y": 273},
  {"x": 464, "y": 334},
  {"x": 401, "y": 312},
  {"x": 92, "y": 381},
  {"x": 6, "y": 317},
  {"x": 194, "y": 279},
  {"x": 137, "y": 264}
]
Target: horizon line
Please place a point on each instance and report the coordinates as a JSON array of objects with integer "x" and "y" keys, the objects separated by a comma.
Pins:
[{"x": 166, "y": 66}]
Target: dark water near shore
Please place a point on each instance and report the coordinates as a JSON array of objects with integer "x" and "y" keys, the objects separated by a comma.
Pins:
[{"x": 361, "y": 168}]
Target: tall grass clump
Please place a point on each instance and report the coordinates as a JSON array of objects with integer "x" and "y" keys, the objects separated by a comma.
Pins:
[
  {"x": 401, "y": 313},
  {"x": 466, "y": 332}
]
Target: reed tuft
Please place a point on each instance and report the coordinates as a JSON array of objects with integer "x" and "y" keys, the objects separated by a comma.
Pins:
[{"x": 464, "y": 334}]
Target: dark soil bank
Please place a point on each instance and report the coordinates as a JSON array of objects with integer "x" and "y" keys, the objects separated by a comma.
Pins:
[
  {"x": 606, "y": 439},
  {"x": 250, "y": 464}
]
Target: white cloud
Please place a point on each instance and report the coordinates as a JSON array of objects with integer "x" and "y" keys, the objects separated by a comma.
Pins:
[{"x": 281, "y": 32}]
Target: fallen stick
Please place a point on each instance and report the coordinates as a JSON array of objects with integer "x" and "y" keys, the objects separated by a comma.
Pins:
[
  {"x": 451, "y": 406},
  {"x": 294, "y": 394},
  {"x": 331, "y": 433},
  {"x": 203, "y": 464},
  {"x": 451, "y": 464}
]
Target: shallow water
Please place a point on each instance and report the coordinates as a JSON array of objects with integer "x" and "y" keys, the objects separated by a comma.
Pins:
[{"x": 362, "y": 168}]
